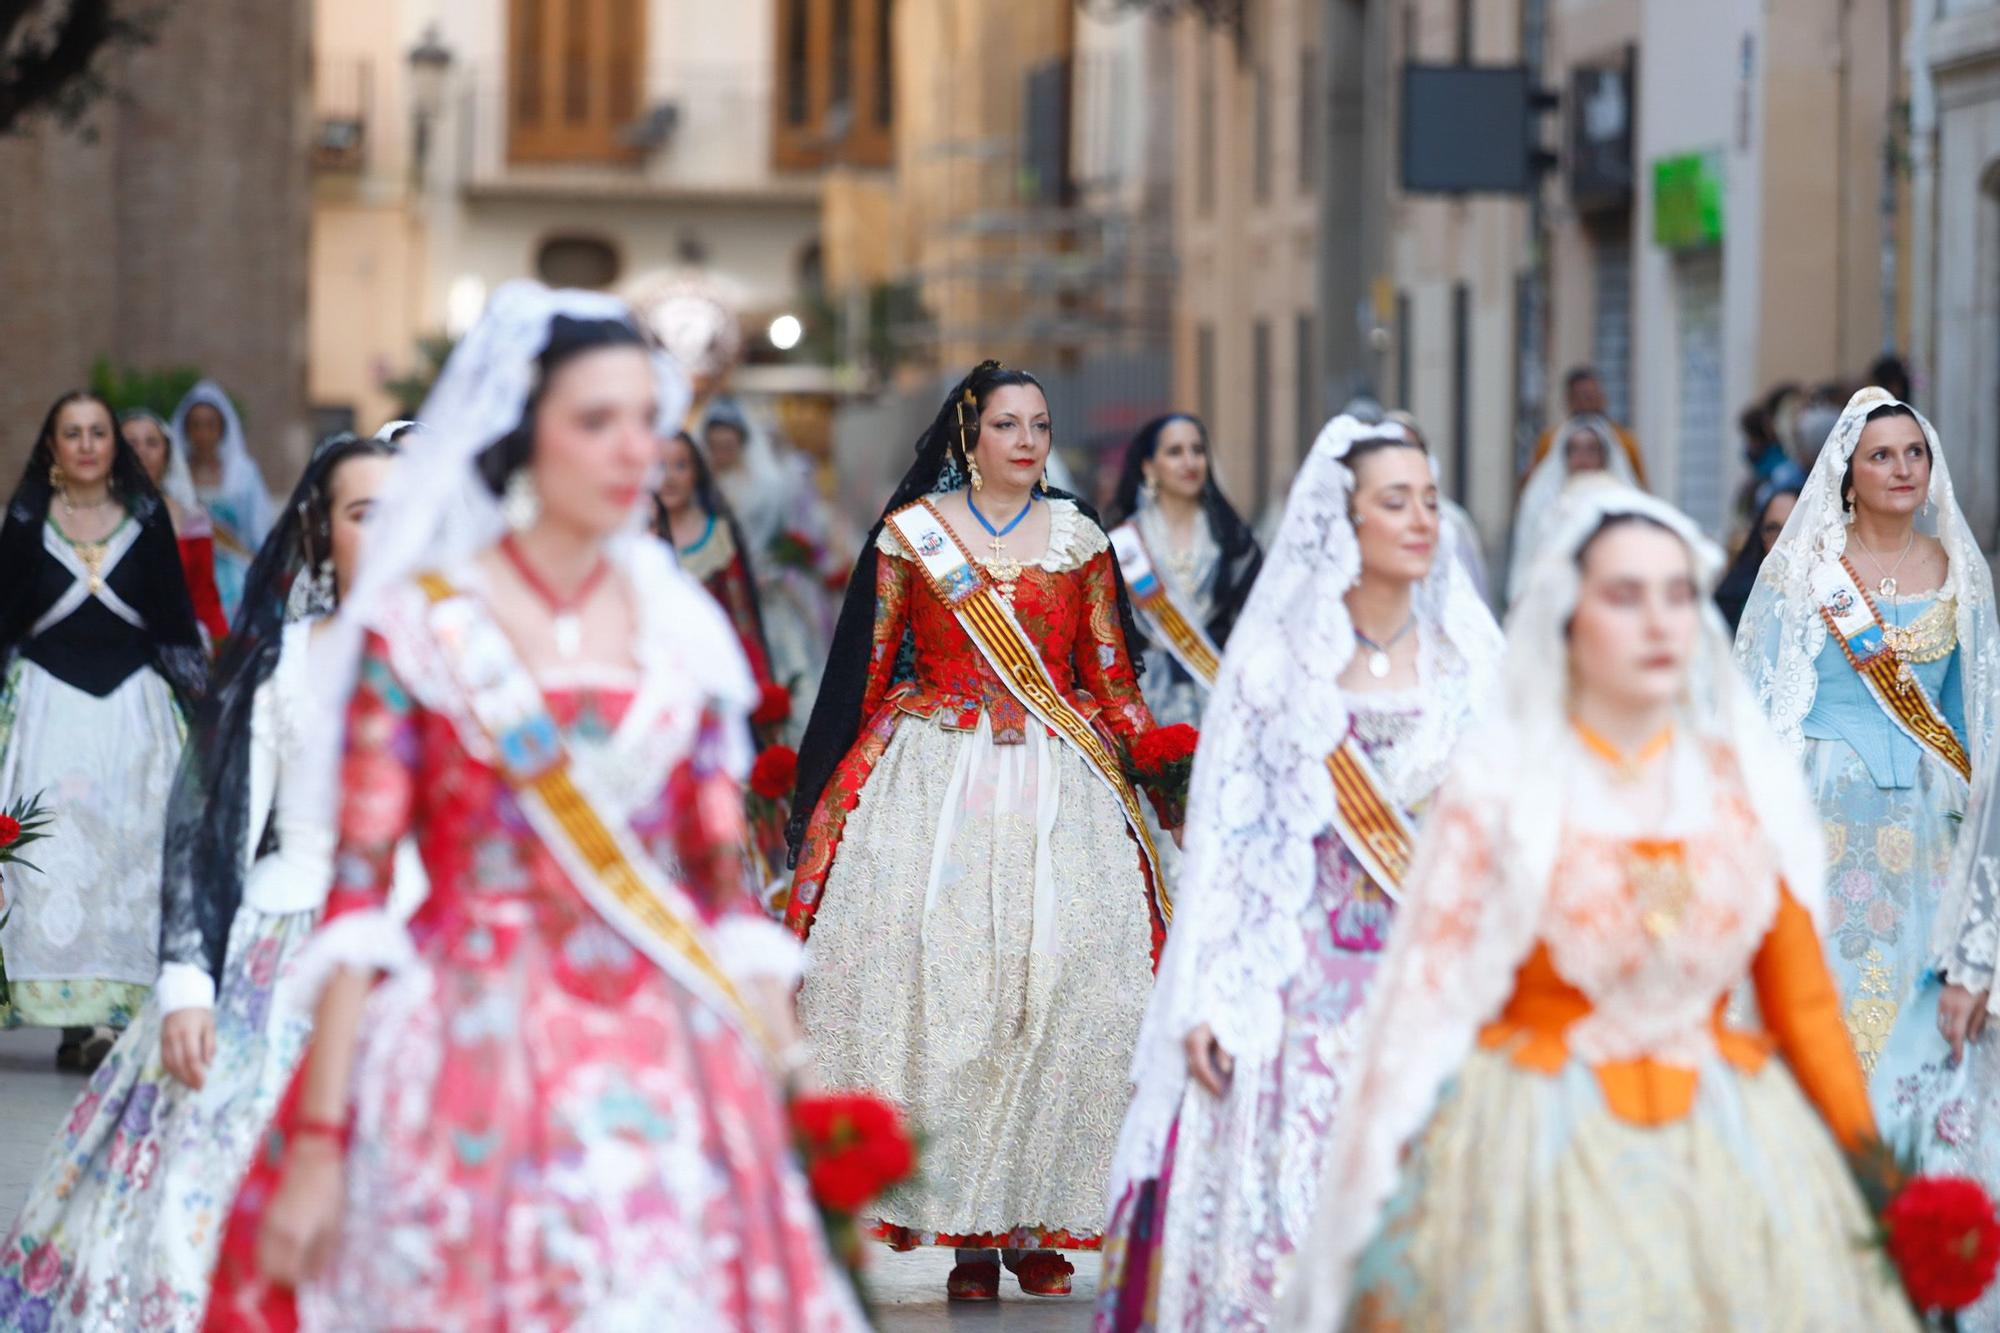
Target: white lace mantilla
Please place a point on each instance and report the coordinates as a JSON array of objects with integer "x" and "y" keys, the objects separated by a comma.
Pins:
[
  {"x": 1261, "y": 794},
  {"x": 1502, "y": 862}
]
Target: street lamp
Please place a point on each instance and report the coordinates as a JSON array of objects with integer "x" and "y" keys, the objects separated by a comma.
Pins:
[{"x": 430, "y": 64}]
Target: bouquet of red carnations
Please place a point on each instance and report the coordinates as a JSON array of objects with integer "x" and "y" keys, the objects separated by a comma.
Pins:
[
  {"x": 1940, "y": 1233},
  {"x": 774, "y": 706},
  {"x": 771, "y": 779},
  {"x": 1162, "y": 762},
  {"x": 23, "y": 822},
  {"x": 855, "y": 1147}
]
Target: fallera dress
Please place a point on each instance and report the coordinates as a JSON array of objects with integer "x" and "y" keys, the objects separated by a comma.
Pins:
[
  {"x": 550, "y": 1130},
  {"x": 983, "y": 925}
]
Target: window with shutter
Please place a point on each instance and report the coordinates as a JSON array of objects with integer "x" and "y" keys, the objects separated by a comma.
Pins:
[
  {"x": 575, "y": 77},
  {"x": 836, "y": 84}
]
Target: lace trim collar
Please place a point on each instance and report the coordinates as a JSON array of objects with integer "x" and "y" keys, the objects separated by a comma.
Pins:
[{"x": 1073, "y": 539}]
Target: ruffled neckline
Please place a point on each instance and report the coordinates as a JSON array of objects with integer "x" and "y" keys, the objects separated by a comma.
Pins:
[{"x": 1073, "y": 538}]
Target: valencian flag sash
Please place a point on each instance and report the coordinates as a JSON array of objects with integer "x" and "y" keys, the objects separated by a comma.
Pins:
[
  {"x": 1372, "y": 825},
  {"x": 598, "y": 854},
  {"x": 1165, "y": 622},
  {"x": 989, "y": 622},
  {"x": 1855, "y": 623}
]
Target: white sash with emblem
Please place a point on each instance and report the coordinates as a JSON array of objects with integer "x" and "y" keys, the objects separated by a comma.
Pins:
[
  {"x": 1165, "y": 622},
  {"x": 599, "y": 854},
  {"x": 1851, "y": 617},
  {"x": 989, "y": 622}
]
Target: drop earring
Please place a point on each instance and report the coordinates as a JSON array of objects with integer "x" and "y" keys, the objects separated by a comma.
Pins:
[
  {"x": 972, "y": 470},
  {"x": 1152, "y": 490},
  {"x": 521, "y": 506}
]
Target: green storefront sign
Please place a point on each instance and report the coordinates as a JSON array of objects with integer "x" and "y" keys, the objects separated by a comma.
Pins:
[{"x": 1687, "y": 201}]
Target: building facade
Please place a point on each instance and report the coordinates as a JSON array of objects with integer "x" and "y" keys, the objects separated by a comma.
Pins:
[
  {"x": 1954, "y": 66},
  {"x": 612, "y": 144},
  {"x": 175, "y": 235}
]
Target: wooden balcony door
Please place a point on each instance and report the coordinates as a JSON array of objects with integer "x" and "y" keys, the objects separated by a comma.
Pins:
[{"x": 575, "y": 76}]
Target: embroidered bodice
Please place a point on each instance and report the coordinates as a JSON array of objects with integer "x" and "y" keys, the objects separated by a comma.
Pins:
[
  {"x": 1067, "y": 602},
  {"x": 415, "y": 766},
  {"x": 1189, "y": 575},
  {"x": 714, "y": 559},
  {"x": 1387, "y": 723},
  {"x": 1924, "y": 629},
  {"x": 88, "y": 637}
]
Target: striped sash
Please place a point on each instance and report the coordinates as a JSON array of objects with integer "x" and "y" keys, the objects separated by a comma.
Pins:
[
  {"x": 989, "y": 622},
  {"x": 1855, "y": 623},
  {"x": 599, "y": 855},
  {"x": 1165, "y": 622},
  {"x": 1372, "y": 825}
]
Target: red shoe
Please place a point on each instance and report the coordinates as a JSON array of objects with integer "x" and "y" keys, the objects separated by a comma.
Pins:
[
  {"x": 1044, "y": 1273},
  {"x": 976, "y": 1281}
]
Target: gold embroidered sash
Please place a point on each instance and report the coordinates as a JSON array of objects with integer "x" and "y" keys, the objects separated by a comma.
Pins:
[
  {"x": 989, "y": 622},
  {"x": 1373, "y": 826},
  {"x": 599, "y": 855},
  {"x": 1167, "y": 624},
  {"x": 1855, "y": 623}
]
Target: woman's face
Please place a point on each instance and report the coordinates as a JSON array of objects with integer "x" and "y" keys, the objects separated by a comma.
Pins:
[
  {"x": 149, "y": 442},
  {"x": 1396, "y": 514},
  {"x": 1583, "y": 451},
  {"x": 204, "y": 431},
  {"x": 1014, "y": 435},
  {"x": 594, "y": 442},
  {"x": 725, "y": 446},
  {"x": 351, "y": 492},
  {"x": 1891, "y": 468},
  {"x": 1775, "y": 515},
  {"x": 1179, "y": 465},
  {"x": 1632, "y": 638},
  {"x": 84, "y": 445},
  {"x": 677, "y": 480}
]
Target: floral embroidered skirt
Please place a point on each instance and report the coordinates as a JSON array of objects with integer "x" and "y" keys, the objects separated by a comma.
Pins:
[
  {"x": 81, "y": 938},
  {"x": 534, "y": 1149},
  {"x": 982, "y": 955},
  {"x": 121, "y": 1230},
  {"x": 1526, "y": 1205},
  {"x": 1208, "y": 1245},
  {"x": 1888, "y": 851}
]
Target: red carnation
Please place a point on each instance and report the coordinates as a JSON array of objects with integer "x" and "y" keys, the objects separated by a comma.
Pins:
[
  {"x": 1164, "y": 746},
  {"x": 10, "y": 830},
  {"x": 774, "y": 705},
  {"x": 1945, "y": 1240},
  {"x": 854, "y": 1145},
  {"x": 772, "y": 776}
]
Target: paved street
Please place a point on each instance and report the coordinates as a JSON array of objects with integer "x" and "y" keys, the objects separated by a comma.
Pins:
[{"x": 908, "y": 1288}]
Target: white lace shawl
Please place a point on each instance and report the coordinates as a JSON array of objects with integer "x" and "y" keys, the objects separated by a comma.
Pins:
[
  {"x": 242, "y": 480},
  {"x": 436, "y": 512},
  {"x": 1779, "y": 639},
  {"x": 1543, "y": 494},
  {"x": 1473, "y": 903},
  {"x": 1261, "y": 793}
]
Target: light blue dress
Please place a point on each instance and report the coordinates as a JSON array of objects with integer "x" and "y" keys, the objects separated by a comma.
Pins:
[{"x": 1891, "y": 812}]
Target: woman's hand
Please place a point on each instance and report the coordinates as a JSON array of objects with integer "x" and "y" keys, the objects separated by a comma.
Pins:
[
  {"x": 187, "y": 1044},
  {"x": 1961, "y": 1017},
  {"x": 1208, "y": 1064},
  {"x": 303, "y": 1221}
]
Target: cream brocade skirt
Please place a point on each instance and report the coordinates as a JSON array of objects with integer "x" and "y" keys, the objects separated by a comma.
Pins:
[
  {"x": 1527, "y": 1205},
  {"x": 982, "y": 955}
]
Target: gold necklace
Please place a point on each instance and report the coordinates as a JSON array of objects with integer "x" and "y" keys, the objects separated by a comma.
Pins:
[{"x": 92, "y": 556}]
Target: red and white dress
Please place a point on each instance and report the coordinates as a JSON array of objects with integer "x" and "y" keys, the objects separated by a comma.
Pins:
[
  {"x": 550, "y": 1131},
  {"x": 983, "y": 924}
]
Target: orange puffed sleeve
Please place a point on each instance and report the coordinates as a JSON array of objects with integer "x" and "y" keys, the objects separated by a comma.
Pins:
[{"x": 1801, "y": 1009}]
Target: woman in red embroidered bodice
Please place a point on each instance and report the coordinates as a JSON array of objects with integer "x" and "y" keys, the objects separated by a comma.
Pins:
[{"x": 982, "y": 910}]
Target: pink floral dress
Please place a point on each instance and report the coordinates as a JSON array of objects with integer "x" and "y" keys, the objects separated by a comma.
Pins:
[{"x": 549, "y": 1131}]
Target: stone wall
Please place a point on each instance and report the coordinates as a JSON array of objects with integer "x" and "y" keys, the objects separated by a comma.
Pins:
[{"x": 174, "y": 233}]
